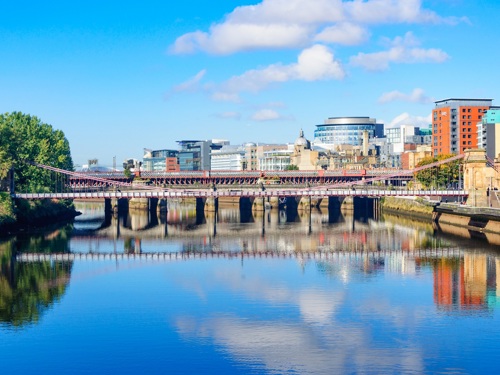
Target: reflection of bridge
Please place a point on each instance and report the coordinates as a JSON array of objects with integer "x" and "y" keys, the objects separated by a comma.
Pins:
[{"x": 183, "y": 256}]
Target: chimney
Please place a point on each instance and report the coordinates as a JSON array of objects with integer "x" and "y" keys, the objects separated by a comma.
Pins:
[{"x": 365, "y": 142}]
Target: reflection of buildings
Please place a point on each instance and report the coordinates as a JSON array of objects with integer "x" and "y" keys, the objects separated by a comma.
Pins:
[{"x": 466, "y": 283}]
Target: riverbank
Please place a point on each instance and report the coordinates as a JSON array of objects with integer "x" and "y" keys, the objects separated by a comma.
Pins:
[
  {"x": 414, "y": 207},
  {"x": 21, "y": 215},
  {"x": 475, "y": 219}
]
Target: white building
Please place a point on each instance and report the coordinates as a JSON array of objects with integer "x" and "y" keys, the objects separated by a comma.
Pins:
[{"x": 227, "y": 158}]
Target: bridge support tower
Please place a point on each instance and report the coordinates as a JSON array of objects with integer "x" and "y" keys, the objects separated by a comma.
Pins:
[{"x": 479, "y": 179}]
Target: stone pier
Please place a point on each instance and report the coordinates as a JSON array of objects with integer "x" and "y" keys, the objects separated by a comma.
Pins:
[{"x": 479, "y": 178}]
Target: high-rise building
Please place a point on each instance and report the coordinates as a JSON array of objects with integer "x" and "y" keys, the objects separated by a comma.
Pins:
[{"x": 454, "y": 124}]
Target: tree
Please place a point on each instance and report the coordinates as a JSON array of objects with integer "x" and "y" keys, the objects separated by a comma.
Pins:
[
  {"x": 440, "y": 176},
  {"x": 24, "y": 139},
  {"x": 292, "y": 167}
]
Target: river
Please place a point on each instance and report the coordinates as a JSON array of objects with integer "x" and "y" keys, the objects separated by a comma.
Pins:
[{"x": 262, "y": 293}]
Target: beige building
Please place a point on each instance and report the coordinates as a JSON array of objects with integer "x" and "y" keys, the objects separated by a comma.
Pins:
[{"x": 303, "y": 157}]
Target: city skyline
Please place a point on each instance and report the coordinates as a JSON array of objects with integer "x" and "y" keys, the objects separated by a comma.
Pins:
[{"x": 120, "y": 77}]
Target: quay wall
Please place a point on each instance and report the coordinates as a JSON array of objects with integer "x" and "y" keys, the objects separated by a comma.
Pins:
[{"x": 476, "y": 219}]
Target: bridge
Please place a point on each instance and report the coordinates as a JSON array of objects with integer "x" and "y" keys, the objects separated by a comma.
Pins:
[
  {"x": 248, "y": 193},
  {"x": 241, "y": 184}
]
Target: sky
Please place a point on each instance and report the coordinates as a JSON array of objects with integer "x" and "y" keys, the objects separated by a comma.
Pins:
[{"x": 120, "y": 76}]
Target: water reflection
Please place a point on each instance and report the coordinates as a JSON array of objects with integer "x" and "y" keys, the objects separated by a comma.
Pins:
[
  {"x": 27, "y": 290},
  {"x": 263, "y": 292}
]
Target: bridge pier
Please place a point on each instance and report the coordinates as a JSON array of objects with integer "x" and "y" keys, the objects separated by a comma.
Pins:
[
  {"x": 274, "y": 202},
  {"x": 139, "y": 203},
  {"x": 346, "y": 204},
  {"x": 259, "y": 204},
  {"x": 211, "y": 205},
  {"x": 162, "y": 205},
  {"x": 479, "y": 179}
]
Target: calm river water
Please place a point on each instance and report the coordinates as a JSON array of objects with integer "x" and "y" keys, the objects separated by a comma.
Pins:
[{"x": 272, "y": 293}]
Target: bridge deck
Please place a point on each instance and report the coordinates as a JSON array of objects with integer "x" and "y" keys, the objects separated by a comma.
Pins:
[{"x": 203, "y": 193}]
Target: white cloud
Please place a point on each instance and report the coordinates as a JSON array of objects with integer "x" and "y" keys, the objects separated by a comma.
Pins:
[
  {"x": 416, "y": 96},
  {"x": 192, "y": 83},
  {"x": 343, "y": 33},
  {"x": 229, "y": 115},
  {"x": 266, "y": 115},
  {"x": 314, "y": 63},
  {"x": 407, "y": 119},
  {"x": 229, "y": 38},
  {"x": 403, "y": 50},
  {"x": 225, "y": 96},
  {"x": 296, "y": 23},
  {"x": 390, "y": 11}
]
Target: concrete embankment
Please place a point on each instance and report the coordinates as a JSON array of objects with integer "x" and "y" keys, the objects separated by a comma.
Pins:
[
  {"x": 452, "y": 218},
  {"x": 416, "y": 207}
]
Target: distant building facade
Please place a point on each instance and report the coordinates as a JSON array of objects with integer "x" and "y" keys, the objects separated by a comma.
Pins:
[
  {"x": 489, "y": 132},
  {"x": 454, "y": 124},
  {"x": 227, "y": 158},
  {"x": 160, "y": 160},
  {"x": 256, "y": 154},
  {"x": 194, "y": 155},
  {"x": 346, "y": 131}
]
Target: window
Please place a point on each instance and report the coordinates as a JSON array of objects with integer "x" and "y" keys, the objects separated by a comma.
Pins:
[{"x": 468, "y": 110}]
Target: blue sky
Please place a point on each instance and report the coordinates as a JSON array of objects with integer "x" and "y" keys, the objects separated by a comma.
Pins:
[{"x": 120, "y": 76}]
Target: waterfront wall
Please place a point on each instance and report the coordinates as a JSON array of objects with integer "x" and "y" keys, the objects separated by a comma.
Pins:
[{"x": 464, "y": 218}]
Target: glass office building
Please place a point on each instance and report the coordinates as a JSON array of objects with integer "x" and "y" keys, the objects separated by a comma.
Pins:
[
  {"x": 160, "y": 160},
  {"x": 195, "y": 155},
  {"x": 346, "y": 131}
]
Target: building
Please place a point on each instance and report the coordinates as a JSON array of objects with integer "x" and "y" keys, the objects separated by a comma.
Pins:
[
  {"x": 227, "y": 158},
  {"x": 489, "y": 132},
  {"x": 303, "y": 156},
  {"x": 255, "y": 154},
  {"x": 194, "y": 155},
  {"x": 346, "y": 131},
  {"x": 160, "y": 161},
  {"x": 411, "y": 158},
  {"x": 454, "y": 124},
  {"x": 400, "y": 135},
  {"x": 276, "y": 160}
]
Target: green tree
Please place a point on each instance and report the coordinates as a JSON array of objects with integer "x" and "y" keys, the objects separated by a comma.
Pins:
[
  {"x": 24, "y": 139},
  {"x": 292, "y": 167},
  {"x": 439, "y": 176}
]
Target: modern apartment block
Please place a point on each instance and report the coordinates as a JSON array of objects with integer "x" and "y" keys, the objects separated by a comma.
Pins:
[
  {"x": 454, "y": 124},
  {"x": 489, "y": 132}
]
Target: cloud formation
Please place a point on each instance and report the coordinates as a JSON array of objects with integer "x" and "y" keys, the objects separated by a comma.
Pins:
[
  {"x": 192, "y": 83},
  {"x": 402, "y": 50},
  {"x": 407, "y": 119},
  {"x": 313, "y": 64},
  {"x": 416, "y": 96},
  {"x": 274, "y": 24}
]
